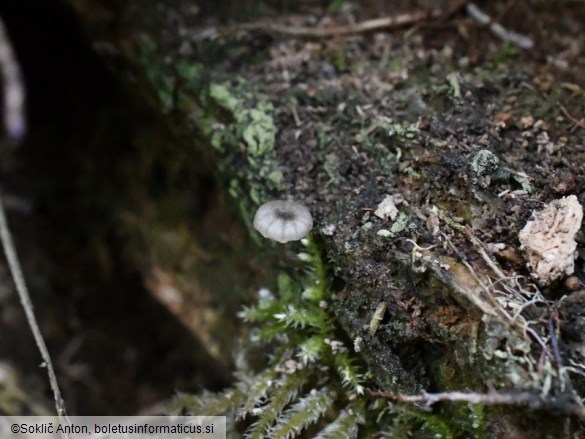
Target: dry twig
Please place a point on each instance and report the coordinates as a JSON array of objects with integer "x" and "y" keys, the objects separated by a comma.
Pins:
[
  {"x": 319, "y": 32},
  {"x": 18, "y": 277},
  {"x": 14, "y": 91},
  {"x": 580, "y": 123},
  {"x": 522, "y": 398},
  {"x": 497, "y": 29}
]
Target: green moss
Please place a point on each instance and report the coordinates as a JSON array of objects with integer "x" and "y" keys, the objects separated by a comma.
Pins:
[{"x": 291, "y": 393}]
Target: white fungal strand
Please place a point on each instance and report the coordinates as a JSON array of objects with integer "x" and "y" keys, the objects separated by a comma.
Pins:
[{"x": 283, "y": 221}]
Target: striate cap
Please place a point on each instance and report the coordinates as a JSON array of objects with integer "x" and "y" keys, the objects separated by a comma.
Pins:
[{"x": 283, "y": 221}]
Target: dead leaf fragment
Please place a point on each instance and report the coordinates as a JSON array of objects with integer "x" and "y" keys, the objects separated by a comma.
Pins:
[
  {"x": 387, "y": 208},
  {"x": 548, "y": 240}
]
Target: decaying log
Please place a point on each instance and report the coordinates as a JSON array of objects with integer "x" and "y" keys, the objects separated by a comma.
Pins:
[{"x": 466, "y": 154}]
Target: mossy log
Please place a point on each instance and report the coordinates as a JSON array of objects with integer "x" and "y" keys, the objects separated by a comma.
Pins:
[{"x": 463, "y": 145}]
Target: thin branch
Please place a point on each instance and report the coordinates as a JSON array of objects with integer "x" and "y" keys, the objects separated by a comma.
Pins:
[
  {"x": 497, "y": 29},
  {"x": 491, "y": 306},
  {"x": 14, "y": 91},
  {"x": 522, "y": 398},
  {"x": 576, "y": 123},
  {"x": 488, "y": 260},
  {"x": 318, "y": 32},
  {"x": 18, "y": 277}
]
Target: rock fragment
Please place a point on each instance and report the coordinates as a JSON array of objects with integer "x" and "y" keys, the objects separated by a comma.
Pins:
[
  {"x": 548, "y": 239},
  {"x": 387, "y": 208}
]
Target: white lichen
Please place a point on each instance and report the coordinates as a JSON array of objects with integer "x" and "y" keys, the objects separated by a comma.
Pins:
[
  {"x": 387, "y": 207},
  {"x": 548, "y": 239}
]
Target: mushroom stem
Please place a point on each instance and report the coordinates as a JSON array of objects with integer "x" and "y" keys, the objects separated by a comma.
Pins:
[{"x": 285, "y": 256}]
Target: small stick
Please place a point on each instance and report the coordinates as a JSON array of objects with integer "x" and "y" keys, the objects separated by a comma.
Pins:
[
  {"x": 530, "y": 399},
  {"x": 14, "y": 91},
  {"x": 497, "y": 29},
  {"x": 318, "y": 32},
  {"x": 576, "y": 123},
  {"x": 18, "y": 278}
]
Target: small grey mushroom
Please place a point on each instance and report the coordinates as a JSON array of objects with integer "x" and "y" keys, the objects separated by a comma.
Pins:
[{"x": 283, "y": 221}]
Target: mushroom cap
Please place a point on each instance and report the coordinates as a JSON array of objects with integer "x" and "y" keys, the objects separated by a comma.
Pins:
[{"x": 283, "y": 221}]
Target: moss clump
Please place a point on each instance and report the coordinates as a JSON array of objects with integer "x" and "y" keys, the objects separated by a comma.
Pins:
[
  {"x": 312, "y": 383},
  {"x": 312, "y": 380}
]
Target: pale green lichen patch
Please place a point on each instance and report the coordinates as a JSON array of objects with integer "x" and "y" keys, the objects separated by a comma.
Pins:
[
  {"x": 251, "y": 126},
  {"x": 222, "y": 97},
  {"x": 408, "y": 131},
  {"x": 228, "y": 115},
  {"x": 238, "y": 126},
  {"x": 453, "y": 80},
  {"x": 402, "y": 224},
  {"x": 384, "y": 233},
  {"x": 259, "y": 132},
  {"x": 254, "y": 126},
  {"x": 483, "y": 164},
  {"x": 486, "y": 170},
  {"x": 523, "y": 181}
]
